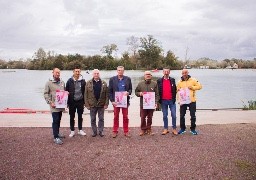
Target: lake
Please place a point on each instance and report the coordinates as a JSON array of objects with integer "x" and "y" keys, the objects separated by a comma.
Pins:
[{"x": 222, "y": 88}]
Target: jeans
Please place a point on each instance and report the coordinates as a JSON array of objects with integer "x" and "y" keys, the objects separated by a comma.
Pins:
[
  {"x": 116, "y": 119},
  {"x": 93, "y": 113},
  {"x": 76, "y": 106},
  {"x": 146, "y": 113},
  {"x": 56, "y": 118},
  {"x": 165, "y": 104},
  {"x": 192, "y": 109}
]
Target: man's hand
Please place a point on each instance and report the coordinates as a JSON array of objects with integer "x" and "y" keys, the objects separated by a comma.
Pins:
[
  {"x": 141, "y": 93},
  {"x": 114, "y": 104},
  {"x": 52, "y": 105},
  {"x": 105, "y": 107}
]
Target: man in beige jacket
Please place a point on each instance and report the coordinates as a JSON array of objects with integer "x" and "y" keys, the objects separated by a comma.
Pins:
[{"x": 53, "y": 85}]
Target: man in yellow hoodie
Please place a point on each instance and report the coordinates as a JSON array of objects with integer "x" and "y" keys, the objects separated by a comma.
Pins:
[{"x": 186, "y": 91}]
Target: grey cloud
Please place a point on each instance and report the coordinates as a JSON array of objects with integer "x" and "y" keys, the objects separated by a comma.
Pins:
[{"x": 214, "y": 29}]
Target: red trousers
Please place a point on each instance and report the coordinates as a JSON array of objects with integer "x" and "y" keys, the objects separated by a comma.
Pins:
[
  {"x": 116, "y": 119},
  {"x": 146, "y": 113}
]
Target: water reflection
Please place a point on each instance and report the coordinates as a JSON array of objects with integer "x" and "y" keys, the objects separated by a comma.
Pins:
[{"x": 221, "y": 88}]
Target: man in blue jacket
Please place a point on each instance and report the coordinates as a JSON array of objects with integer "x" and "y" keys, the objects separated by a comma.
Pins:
[{"x": 120, "y": 83}]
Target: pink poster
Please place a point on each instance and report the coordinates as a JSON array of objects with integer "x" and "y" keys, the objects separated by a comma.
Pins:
[
  {"x": 149, "y": 100},
  {"x": 121, "y": 99},
  {"x": 61, "y": 99},
  {"x": 184, "y": 96}
]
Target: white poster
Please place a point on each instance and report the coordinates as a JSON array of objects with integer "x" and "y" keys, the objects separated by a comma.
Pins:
[
  {"x": 149, "y": 100},
  {"x": 61, "y": 99},
  {"x": 184, "y": 96},
  {"x": 121, "y": 99}
]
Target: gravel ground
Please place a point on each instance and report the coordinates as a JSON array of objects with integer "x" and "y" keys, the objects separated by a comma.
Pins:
[{"x": 218, "y": 152}]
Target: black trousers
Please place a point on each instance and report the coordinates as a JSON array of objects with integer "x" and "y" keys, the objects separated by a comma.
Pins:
[
  {"x": 192, "y": 110},
  {"x": 76, "y": 106}
]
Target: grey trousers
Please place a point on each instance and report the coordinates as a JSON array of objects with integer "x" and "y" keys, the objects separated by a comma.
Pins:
[{"x": 93, "y": 113}]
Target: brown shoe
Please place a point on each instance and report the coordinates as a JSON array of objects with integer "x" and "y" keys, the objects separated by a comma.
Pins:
[
  {"x": 142, "y": 133},
  {"x": 114, "y": 135},
  {"x": 149, "y": 132},
  {"x": 175, "y": 132},
  {"x": 127, "y": 134},
  {"x": 165, "y": 132}
]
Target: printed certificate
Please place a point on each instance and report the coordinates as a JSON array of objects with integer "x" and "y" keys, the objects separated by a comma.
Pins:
[
  {"x": 121, "y": 99},
  {"x": 61, "y": 99},
  {"x": 184, "y": 96},
  {"x": 149, "y": 100}
]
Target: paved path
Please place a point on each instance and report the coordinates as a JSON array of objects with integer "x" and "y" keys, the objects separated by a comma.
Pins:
[{"x": 203, "y": 117}]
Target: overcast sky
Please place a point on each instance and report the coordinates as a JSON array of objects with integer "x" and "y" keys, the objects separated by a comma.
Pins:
[{"x": 216, "y": 29}]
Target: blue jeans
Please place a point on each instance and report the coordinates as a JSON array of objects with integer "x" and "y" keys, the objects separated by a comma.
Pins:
[
  {"x": 56, "y": 117},
  {"x": 165, "y": 104}
]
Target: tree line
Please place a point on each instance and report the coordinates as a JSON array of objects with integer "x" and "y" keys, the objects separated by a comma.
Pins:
[{"x": 143, "y": 53}]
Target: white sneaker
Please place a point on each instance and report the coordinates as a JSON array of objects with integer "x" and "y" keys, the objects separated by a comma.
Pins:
[
  {"x": 82, "y": 133},
  {"x": 72, "y": 133}
]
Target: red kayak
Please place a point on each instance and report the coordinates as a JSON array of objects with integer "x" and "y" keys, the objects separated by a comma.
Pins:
[{"x": 21, "y": 110}]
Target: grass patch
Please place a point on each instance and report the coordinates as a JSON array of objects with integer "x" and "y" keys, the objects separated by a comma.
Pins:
[
  {"x": 251, "y": 105},
  {"x": 247, "y": 168}
]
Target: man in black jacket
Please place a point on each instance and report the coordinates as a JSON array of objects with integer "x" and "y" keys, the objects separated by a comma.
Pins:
[
  {"x": 167, "y": 92},
  {"x": 76, "y": 87}
]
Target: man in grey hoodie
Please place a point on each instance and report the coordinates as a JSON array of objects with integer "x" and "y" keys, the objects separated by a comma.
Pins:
[
  {"x": 76, "y": 87},
  {"x": 53, "y": 85}
]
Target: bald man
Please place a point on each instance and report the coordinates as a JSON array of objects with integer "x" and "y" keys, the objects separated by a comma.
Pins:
[
  {"x": 187, "y": 88},
  {"x": 53, "y": 85},
  {"x": 147, "y": 85}
]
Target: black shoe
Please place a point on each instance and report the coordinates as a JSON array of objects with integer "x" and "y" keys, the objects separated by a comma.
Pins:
[{"x": 101, "y": 134}]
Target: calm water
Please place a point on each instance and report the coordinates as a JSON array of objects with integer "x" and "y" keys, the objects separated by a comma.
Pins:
[{"x": 222, "y": 88}]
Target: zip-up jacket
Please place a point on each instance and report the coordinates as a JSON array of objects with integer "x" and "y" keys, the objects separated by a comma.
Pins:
[
  {"x": 147, "y": 86},
  {"x": 113, "y": 87},
  {"x": 70, "y": 87},
  {"x": 50, "y": 92},
  {"x": 190, "y": 82},
  {"x": 173, "y": 87}
]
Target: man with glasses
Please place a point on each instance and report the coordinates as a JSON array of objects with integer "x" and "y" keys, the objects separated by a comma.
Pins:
[{"x": 143, "y": 90}]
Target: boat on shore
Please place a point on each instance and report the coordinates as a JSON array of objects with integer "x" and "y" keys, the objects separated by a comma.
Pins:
[
  {"x": 155, "y": 70},
  {"x": 187, "y": 67}
]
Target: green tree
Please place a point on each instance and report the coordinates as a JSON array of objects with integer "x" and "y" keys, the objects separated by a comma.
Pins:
[
  {"x": 171, "y": 60},
  {"x": 59, "y": 62},
  {"x": 150, "y": 52},
  {"x": 109, "y": 49},
  {"x": 40, "y": 54}
]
